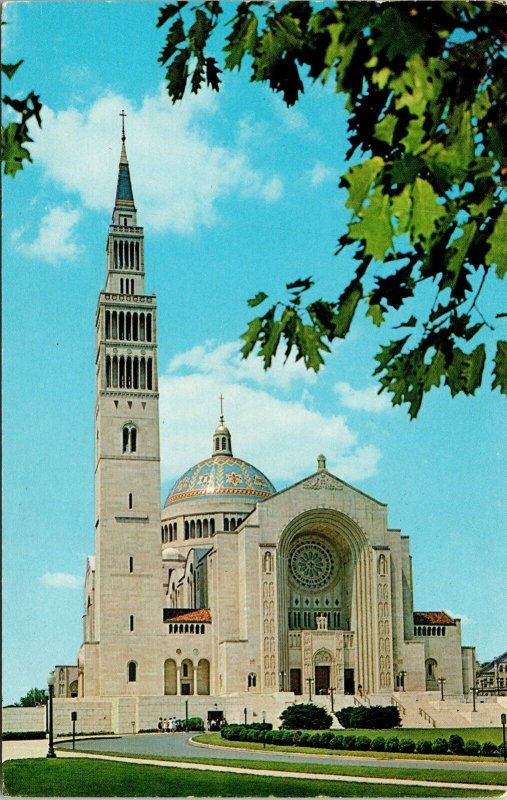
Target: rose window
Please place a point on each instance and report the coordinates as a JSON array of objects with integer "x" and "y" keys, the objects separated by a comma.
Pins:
[{"x": 311, "y": 565}]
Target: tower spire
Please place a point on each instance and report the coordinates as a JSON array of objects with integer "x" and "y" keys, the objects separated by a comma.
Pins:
[
  {"x": 222, "y": 445},
  {"x": 124, "y": 201}
]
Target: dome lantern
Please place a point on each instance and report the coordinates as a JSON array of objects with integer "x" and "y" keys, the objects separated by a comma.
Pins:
[{"x": 222, "y": 445}]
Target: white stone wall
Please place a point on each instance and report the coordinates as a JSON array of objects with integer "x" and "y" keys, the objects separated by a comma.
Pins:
[{"x": 30, "y": 718}]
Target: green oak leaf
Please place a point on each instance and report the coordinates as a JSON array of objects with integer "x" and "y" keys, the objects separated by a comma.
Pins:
[
  {"x": 500, "y": 370},
  {"x": 426, "y": 211},
  {"x": 375, "y": 227},
  {"x": 257, "y": 300},
  {"x": 359, "y": 180},
  {"x": 497, "y": 253}
]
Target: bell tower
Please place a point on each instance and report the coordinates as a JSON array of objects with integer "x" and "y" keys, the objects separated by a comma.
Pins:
[{"x": 127, "y": 609}]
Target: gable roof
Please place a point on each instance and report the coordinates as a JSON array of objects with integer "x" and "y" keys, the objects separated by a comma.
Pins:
[
  {"x": 432, "y": 618},
  {"x": 187, "y": 615}
]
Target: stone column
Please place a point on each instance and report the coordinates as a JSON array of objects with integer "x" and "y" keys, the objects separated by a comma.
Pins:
[
  {"x": 195, "y": 679},
  {"x": 178, "y": 679}
]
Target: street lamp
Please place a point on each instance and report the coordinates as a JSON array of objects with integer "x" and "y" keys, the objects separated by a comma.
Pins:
[
  {"x": 441, "y": 682},
  {"x": 473, "y": 690},
  {"x": 332, "y": 689},
  {"x": 51, "y": 687},
  {"x": 309, "y": 682},
  {"x": 282, "y": 681},
  {"x": 402, "y": 679}
]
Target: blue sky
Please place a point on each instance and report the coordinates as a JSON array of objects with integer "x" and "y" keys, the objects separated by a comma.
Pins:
[{"x": 237, "y": 194}]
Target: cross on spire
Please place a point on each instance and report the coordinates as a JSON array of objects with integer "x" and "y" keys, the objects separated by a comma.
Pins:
[
  {"x": 221, "y": 398},
  {"x": 123, "y": 115}
]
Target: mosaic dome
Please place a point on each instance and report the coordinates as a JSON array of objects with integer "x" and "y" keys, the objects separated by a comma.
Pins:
[{"x": 221, "y": 476}]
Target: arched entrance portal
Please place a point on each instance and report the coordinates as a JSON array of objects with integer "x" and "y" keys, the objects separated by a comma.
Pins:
[{"x": 326, "y": 607}]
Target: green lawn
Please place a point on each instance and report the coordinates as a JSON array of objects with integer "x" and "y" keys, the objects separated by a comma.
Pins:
[
  {"x": 85, "y": 777},
  {"x": 498, "y": 778}
]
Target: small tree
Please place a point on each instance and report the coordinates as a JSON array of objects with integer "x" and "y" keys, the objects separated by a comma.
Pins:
[
  {"x": 305, "y": 715},
  {"x": 34, "y": 697},
  {"x": 369, "y": 717}
]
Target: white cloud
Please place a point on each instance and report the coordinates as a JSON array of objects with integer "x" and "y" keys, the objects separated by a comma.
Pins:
[
  {"x": 61, "y": 580},
  {"x": 281, "y": 437},
  {"x": 55, "y": 240},
  {"x": 362, "y": 399},
  {"x": 465, "y": 620},
  {"x": 321, "y": 173},
  {"x": 178, "y": 174}
]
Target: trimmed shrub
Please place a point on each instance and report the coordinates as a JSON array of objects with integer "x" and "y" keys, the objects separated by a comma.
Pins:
[
  {"x": 349, "y": 742},
  {"x": 261, "y": 735},
  {"x": 456, "y": 744},
  {"x": 252, "y": 735},
  {"x": 407, "y": 746},
  {"x": 23, "y": 735},
  {"x": 296, "y": 738},
  {"x": 326, "y": 738},
  {"x": 378, "y": 744},
  {"x": 489, "y": 749},
  {"x": 193, "y": 724},
  {"x": 337, "y": 742},
  {"x": 369, "y": 717},
  {"x": 423, "y": 746},
  {"x": 440, "y": 746},
  {"x": 472, "y": 747},
  {"x": 269, "y": 737},
  {"x": 261, "y": 726},
  {"x": 393, "y": 744},
  {"x": 314, "y": 740},
  {"x": 363, "y": 743},
  {"x": 305, "y": 739},
  {"x": 305, "y": 715}
]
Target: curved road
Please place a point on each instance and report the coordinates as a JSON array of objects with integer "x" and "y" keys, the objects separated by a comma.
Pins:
[{"x": 177, "y": 745}]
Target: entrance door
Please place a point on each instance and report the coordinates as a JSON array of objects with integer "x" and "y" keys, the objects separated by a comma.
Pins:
[
  {"x": 295, "y": 681},
  {"x": 348, "y": 682},
  {"x": 322, "y": 680}
]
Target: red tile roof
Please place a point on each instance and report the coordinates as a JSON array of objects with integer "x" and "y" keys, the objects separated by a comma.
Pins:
[
  {"x": 192, "y": 615},
  {"x": 432, "y": 618}
]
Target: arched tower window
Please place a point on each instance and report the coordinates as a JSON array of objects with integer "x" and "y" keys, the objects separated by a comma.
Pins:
[
  {"x": 132, "y": 671},
  {"x": 129, "y": 438}
]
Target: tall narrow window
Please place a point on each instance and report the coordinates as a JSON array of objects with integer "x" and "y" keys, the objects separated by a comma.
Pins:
[
  {"x": 121, "y": 325},
  {"x": 114, "y": 325},
  {"x": 121, "y": 285},
  {"x": 108, "y": 324},
  {"x": 131, "y": 564},
  {"x": 148, "y": 327},
  {"x": 115, "y": 252},
  {"x": 131, "y": 622},
  {"x": 131, "y": 501},
  {"x": 137, "y": 255},
  {"x": 129, "y": 440},
  {"x": 149, "y": 382},
  {"x": 122, "y": 372},
  {"x": 108, "y": 371},
  {"x": 132, "y": 671},
  {"x": 134, "y": 322},
  {"x": 141, "y": 327}
]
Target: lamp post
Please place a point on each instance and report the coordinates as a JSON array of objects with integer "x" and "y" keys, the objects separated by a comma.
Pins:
[
  {"x": 309, "y": 682},
  {"x": 402, "y": 679},
  {"x": 473, "y": 690},
  {"x": 186, "y": 715},
  {"x": 282, "y": 681},
  {"x": 245, "y": 713},
  {"x": 503, "y": 720},
  {"x": 332, "y": 689},
  {"x": 51, "y": 687},
  {"x": 441, "y": 682},
  {"x": 46, "y": 695}
]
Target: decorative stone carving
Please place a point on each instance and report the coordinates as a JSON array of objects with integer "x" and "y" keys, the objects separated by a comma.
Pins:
[{"x": 323, "y": 480}]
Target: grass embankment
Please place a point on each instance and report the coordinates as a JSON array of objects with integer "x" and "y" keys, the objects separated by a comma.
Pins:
[
  {"x": 85, "y": 777},
  {"x": 493, "y": 778},
  {"x": 417, "y": 734}
]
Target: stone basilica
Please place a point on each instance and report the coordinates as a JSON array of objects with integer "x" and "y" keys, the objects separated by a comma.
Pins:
[{"x": 235, "y": 596}]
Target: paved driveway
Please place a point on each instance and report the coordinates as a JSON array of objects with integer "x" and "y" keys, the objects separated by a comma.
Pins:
[{"x": 177, "y": 745}]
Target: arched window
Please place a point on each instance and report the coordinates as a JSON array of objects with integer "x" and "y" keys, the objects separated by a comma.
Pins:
[
  {"x": 121, "y": 325},
  {"x": 233, "y": 524},
  {"x": 199, "y": 529},
  {"x": 108, "y": 324},
  {"x": 217, "y": 443},
  {"x": 148, "y": 375},
  {"x": 175, "y": 531},
  {"x": 135, "y": 327},
  {"x": 212, "y": 526},
  {"x": 224, "y": 443},
  {"x": 187, "y": 530},
  {"x": 114, "y": 325},
  {"x": 148, "y": 327},
  {"x": 192, "y": 529},
  {"x": 226, "y": 524},
  {"x": 141, "y": 327},
  {"x": 137, "y": 255},
  {"x": 122, "y": 372},
  {"x": 132, "y": 671},
  {"x": 205, "y": 528},
  {"x": 252, "y": 680},
  {"x": 115, "y": 254},
  {"x": 108, "y": 371},
  {"x": 129, "y": 438}
]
